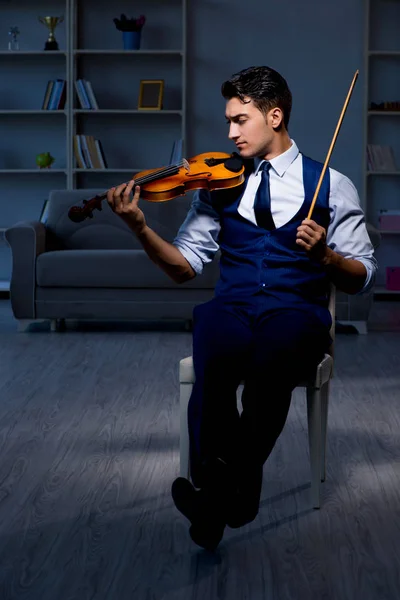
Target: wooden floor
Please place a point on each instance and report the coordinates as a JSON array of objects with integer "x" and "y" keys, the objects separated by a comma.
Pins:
[{"x": 89, "y": 422}]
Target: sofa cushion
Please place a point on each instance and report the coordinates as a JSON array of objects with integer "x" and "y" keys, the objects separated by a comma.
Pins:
[
  {"x": 111, "y": 269},
  {"x": 106, "y": 229}
]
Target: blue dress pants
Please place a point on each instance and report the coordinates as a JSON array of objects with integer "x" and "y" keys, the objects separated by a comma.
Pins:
[{"x": 272, "y": 349}]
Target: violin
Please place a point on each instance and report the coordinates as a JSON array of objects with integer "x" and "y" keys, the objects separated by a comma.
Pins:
[{"x": 210, "y": 170}]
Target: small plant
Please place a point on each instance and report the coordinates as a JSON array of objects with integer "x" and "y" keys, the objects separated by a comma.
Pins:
[
  {"x": 133, "y": 24},
  {"x": 44, "y": 160}
]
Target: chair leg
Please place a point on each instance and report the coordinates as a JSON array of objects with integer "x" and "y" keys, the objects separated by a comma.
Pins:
[
  {"x": 324, "y": 393},
  {"x": 314, "y": 439},
  {"x": 185, "y": 393}
]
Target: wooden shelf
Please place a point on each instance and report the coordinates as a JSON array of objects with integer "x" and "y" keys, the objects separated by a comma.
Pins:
[
  {"x": 32, "y": 112},
  {"x": 110, "y": 170},
  {"x": 380, "y": 289},
  {"x": 128, "y": 111},
  {"x": 32, "y": 53},
  {"x": 37, "y": 170},
  {"x": 385, "y": 113},
  {"x": 383, "y": 173},
  {"x": 384, "y": 52},
  {"x": 122, "y": 51}
]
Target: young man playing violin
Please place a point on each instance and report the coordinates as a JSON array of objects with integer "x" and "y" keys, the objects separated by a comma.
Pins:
[{"x": 270, "y": 308}]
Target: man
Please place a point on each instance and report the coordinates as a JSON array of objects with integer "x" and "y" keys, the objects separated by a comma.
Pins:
[{"x": 270, "y": 308}]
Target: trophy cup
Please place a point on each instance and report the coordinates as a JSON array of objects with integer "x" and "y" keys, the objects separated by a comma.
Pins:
[{"x": 51, "y": 23}]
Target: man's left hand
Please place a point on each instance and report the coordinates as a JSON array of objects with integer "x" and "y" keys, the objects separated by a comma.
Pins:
[{"x": 312, "y": 237}]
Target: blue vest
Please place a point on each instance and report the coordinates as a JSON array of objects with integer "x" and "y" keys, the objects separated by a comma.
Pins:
[{"x": 254, "y": 260}]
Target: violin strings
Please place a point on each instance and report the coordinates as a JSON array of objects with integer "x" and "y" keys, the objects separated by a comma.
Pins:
[
  {"x": 155, "y": 175},
  {"x": 164, "y": 171}
]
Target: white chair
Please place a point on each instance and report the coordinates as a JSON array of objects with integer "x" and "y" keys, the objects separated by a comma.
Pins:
[{"x": 317, "y": 394}]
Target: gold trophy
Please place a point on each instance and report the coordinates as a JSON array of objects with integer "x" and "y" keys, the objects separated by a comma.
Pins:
[{"x": 51, "y": 23}]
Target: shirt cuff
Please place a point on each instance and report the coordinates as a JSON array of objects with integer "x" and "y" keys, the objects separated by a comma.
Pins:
[
  {"x": 370, "y": 278},
  {"x": 192, "y": 258}
]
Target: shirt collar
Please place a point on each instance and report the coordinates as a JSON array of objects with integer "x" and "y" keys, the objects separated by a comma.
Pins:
[{"x": 282, "y": 162}]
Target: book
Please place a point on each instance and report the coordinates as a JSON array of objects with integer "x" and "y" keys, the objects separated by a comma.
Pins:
[
  {"x": 88, "y": 152},
  {"x": 55, "y": 95}
]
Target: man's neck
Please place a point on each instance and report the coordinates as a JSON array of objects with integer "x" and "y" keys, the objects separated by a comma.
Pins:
[{"x": 280, "y": 144}]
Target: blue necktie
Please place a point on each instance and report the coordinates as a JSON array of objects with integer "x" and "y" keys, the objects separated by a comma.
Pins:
[{"x": 262, "y": 202}]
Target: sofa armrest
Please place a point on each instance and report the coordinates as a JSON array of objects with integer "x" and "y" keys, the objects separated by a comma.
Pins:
[{"x": 27, "y": 239}]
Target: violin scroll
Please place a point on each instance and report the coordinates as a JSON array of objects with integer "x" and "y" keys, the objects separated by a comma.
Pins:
[{"x": 77, "y": 214}]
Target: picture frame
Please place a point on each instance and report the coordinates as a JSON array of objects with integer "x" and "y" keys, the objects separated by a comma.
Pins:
[{"x": 151, "y": 94}]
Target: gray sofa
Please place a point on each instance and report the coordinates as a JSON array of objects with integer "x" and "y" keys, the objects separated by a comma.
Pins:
[{"x": 97, "y": 269}]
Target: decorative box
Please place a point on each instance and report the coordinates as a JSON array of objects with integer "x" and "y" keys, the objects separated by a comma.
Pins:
[
  {"x": 393, "y": 278},
  {"x": 389, "y": 220}
]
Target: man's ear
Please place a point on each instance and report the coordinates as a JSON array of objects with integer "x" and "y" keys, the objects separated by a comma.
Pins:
[{"x": 275, "y": 117}]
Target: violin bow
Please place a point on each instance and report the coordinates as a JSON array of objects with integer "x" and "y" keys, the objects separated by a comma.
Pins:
[{"x": 328, "y": 156}]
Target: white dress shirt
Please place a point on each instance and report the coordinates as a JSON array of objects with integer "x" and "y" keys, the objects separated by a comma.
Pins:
[{"x": 347, "y": 234}]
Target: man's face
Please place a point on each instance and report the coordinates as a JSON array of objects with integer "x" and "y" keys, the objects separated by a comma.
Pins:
[{"x": 249, "y": 129}]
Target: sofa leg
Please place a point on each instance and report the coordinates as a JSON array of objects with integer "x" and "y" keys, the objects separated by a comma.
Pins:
[
  {"x": 57, "y": 325},
  {"x": 24, "y": 324},
  {"x": 361, "y": 326},
  {"x": 188, "y": 325}
]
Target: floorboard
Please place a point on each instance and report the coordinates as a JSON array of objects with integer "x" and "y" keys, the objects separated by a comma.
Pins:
[{"x": 89, "y": 446}]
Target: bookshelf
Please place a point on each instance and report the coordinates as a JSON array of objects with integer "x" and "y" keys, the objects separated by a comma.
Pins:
[
  {"x": 90, "y": 48},
  {"x": 132, "y": 139},
  {"x": 382, "y": 127}
]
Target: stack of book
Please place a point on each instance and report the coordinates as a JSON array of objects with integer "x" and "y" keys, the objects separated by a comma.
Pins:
[
  {"x": 55, "y": 95},
  {"x": 380, "y": 158},
  {"x": 89, "y": 152},
  {"x": 395, "y": 106},
  {"x": 85, "y": 93}
]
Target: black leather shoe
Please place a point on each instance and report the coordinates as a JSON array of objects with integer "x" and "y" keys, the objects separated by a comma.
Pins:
[
  {"x": 245, "y": 502},
  {"x": 207, "y": 522},
  {"x": 207, "y": 536},
  {"x": 241, "y": 513},
  {"x": 186, "y": 499}
]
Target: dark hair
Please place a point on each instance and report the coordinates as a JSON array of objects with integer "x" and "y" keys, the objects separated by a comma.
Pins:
[{"x": 265, "y": 86}]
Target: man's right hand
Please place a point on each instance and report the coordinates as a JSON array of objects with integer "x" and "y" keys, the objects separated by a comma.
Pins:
[{"x": 119, "y": 199}]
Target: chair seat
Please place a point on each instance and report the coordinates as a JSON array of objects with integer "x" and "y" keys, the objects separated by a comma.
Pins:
[{"x": 322, "y": 372}]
